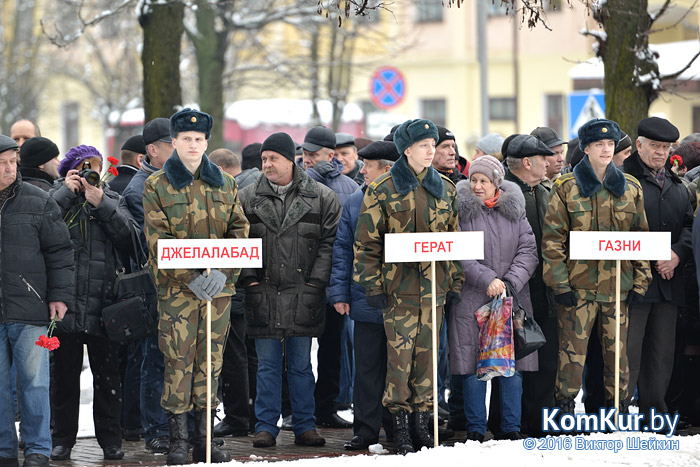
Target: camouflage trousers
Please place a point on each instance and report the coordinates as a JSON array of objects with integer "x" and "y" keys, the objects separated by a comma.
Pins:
[
  {"x": 409, "y": 368},
  {"x": 575, "y": 327},
  {"x": 182, "y": 337}
]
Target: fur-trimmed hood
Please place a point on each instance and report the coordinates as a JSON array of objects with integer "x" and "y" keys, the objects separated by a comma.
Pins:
[
  {"x": 180, "y": 177},
  {"x": 511, "y": 203}
]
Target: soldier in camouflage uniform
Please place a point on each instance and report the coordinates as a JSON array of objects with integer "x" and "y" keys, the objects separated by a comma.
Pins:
[
  {"x": 191, "y": 198},
  {"x": 412, "y": 197},
  {"x": 596, "y": 196}
]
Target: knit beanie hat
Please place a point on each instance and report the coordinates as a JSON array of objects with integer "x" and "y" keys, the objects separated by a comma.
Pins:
[
  {"x": 624, "y": 143},
  {"x": 37, "y": 151},
  {"x": 280, "y": 143},
  {"x": 489, "y": 166},
  {"x": 75, "y": 156},
  {"x": 412, "y": 131},
  {"x": 491, "y": 143},
  {"x": 250, "y": 156}
]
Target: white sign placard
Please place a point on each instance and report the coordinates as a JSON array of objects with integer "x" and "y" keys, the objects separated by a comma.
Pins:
[
  {"x": 433, "y": 246},
  {"x": 620, "y": 245},
  {"x": 210, "y": 253}
]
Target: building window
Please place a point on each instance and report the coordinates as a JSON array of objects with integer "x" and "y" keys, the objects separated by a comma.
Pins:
[
  {"x": 502, "y": 108},
  {"x": 70, "y": 118},
  {"x": 555, "y": 112},
  {"x": 429, "y": 11},
  {"x": 435, "y": 110}
]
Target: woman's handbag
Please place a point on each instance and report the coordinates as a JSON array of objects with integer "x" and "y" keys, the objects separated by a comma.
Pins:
[
  {"x": 527, "y": 334},
  {"x": 134, "y": 311}
]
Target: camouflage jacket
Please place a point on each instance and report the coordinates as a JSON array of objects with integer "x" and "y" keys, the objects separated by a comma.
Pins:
[
  {"x": 397, "y": 202},
  {"x": 579, "y": 202},
  {"x": 176, "y": 205}
]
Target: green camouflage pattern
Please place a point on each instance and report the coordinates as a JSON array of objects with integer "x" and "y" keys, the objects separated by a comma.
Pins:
[
  {"x": 569, "y": 211},
  {"x": 575, "y": 327},
  {"x": 198, "y": 210},
  {"x": 182, "y": 337},
  {"x": 383, "y": 211},
  {"x": 409, "y": 367}
]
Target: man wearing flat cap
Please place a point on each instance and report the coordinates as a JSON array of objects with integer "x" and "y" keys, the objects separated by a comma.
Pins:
[
  {"x": 527, "y": 161},
  {"x": 555, "y": 160},
  {"x": 652, "y": 328},
  {"x": 191, "y": 198},
  {"x": 132, "y": 153},
  {"x": 346, "y": 153},
  {"x": 349, "y": 298},
  {"x": 596, "y": 196},
  {"x": 39, "y": 162},
  {"x": 411, "y": 197}
]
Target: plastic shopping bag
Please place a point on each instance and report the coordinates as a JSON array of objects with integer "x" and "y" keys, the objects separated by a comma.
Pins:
[{"x": 496, "y": 353}]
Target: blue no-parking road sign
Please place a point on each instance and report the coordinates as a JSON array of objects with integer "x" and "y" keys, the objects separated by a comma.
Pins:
[
  {"x": 584, "y": 106},
  {"x": 387, "y": 87}
]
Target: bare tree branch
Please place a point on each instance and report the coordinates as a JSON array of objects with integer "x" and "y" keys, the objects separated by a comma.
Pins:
[
  {"x": 676, "y": 23},
  {"x": 680, "y": 72},
  {"x": 61, "y": 40}
]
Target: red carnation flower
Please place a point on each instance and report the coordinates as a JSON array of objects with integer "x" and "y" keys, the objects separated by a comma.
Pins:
[
  {"x": 113, "y": 170},
  {"x": 676, "y": 160},
  {"x": 113, "y": 160},
  {"x": 49, "y": 342}
]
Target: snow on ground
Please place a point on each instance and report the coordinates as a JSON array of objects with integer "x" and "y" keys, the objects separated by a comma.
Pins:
[{"x": 596, "y": 449}]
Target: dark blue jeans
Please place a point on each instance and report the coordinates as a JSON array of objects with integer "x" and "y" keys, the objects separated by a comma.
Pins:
[
  {"x": 268, "y": 403},
  {"x": 32, "y": 364},
  {"x": 475, "y": 402},
  {"x": 153, "y": 418}
]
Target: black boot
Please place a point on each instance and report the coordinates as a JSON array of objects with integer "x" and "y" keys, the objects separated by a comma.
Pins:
[
  {"x": 567, "y": 405},
  {"x": 420, "y": 430},
  {"x": 177, "y": 424},
  {"x": 402, "y": 433},
  {"x": 199, "y": 451}
]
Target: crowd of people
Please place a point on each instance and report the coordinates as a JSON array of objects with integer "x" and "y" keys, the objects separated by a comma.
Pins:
[{"x": 322, "y": 209}]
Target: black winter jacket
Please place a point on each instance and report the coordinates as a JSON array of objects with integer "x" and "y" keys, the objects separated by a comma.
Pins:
[
  {"x": 297, "y": 252},
  {"x": 36, "y": 257},
  {"x": 96, "y": 233},
  {"x": 667, "y": 210}
]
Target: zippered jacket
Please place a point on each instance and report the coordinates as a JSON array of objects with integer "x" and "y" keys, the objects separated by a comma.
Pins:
[{"x": 36, "y": 256}]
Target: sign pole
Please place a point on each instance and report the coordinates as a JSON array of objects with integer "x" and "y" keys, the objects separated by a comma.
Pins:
[
  {"x": 435, "y": 353},
  {"x": 208, "y": 453},
  {"x": 617, "y": 341}
]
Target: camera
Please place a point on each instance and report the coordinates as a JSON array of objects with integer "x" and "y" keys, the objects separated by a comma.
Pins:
[{"x": 90, "y": 176}]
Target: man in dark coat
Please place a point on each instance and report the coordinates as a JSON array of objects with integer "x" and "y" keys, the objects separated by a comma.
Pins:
[
  {"x": 36, "y": 272},
  {"x": 348, "y": 297},
  {"x": 526, "y": 156},
  {"x": 445, "y": 160},
  {"x": 39, "y": 162},
  {"x": 297, "y": 219},
  {"x": 132, "y": 154},
  {"x": 321, "y": 165},
  {"x": 652, "y": 326},
  {"x": 157, "y": 142}
]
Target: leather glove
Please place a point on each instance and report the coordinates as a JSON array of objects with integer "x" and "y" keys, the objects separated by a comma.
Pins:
[
  {"x": 566, "y": 299},
  {"x": 197, "y": 289},
  {"x": 633, "y": 298},
  {"x": 377, "y": 301},
  {"x": 214, "y": 282}
]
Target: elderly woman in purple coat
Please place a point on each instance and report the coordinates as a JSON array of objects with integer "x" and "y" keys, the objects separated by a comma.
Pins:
[{"x": 488, "y": 203}]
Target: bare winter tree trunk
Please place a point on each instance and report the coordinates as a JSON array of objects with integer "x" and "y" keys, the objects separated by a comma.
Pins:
[
  {"x": 210, "y": 44},
  {"x": 626, "y": 23},
  {"x": 162, "y": 31}
]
